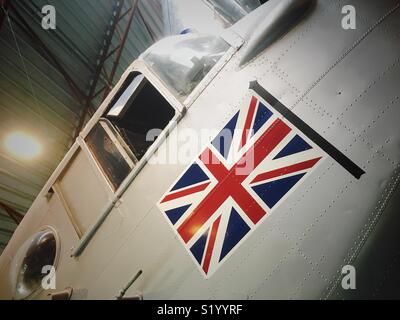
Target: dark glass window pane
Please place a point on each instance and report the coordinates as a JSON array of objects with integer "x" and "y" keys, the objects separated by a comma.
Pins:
[
  {"x": 147, "y": 109},
  {"x": 119, "y": 140},
  {"x": 109, "y": 158}
]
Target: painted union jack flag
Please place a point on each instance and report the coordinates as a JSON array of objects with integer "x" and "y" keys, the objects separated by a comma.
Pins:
[{"x": 243, "y": 174}]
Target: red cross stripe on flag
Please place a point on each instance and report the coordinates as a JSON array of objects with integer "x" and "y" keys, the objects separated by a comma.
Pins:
[{"x": 250, "y": 167}]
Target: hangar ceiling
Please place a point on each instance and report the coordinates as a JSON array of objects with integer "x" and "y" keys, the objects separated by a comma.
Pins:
[{"x": 52, "y": 80}]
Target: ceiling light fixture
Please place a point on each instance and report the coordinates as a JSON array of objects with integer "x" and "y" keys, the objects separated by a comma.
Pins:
[{"x": 22, "y": 145}]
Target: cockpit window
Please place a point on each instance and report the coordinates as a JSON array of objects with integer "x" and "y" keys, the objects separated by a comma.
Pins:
[
  {"x": 121, "y": 103},
  {"x": 120, "y": 139},
  {"x": 112, "y": 158},
  {"x": 183, "y": 61}
]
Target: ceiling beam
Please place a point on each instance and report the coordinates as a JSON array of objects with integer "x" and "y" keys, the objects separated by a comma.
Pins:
[
  {"x": 121, "y": 46},
  {"x": 102, "y": 57},
  {"x": 14, "y": 214}
]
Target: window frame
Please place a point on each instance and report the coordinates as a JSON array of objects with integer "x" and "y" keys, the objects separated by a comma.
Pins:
[
  {"x": 136, "y": 67},
  {"x": 139, "y": 86},
  {"x": 118, "y": 141},
  {"x": 119, "y": 145},
  {"x": 233, "y": 40},
  {"x": 180, "y": 107}
]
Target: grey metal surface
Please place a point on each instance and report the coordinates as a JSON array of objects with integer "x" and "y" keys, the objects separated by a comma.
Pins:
[{"x": 345, "y": 85}]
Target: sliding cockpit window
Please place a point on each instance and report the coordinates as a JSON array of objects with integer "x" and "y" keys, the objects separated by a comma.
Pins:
[
  {"x": 120, "y": 139},
  {"x": 182, "y": 61}
]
